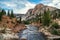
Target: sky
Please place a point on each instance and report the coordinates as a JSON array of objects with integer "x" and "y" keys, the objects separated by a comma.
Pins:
[{"x": 22, "y": 6}]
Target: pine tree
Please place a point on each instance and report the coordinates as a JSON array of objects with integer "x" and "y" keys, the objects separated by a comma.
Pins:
[
  {"x": 8, "y": 13},
  {"x": 20, "y": 20},
  {"x": 55, "y": 16},
  {"x": 12, "y": 14},
  {"x": 59, "y": 15},
  {"x": 3, "y": 12},
  {"x": 0, "y": 16},
  {"x": 46, "y": 18},
  {"x": 40, "y": 17}
]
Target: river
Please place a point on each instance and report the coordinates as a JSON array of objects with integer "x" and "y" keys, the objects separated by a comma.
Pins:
[{"x": 31, "y": 33}]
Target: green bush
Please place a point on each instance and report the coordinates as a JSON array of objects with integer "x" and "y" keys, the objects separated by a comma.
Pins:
[
  {"x": 26, "y": 22},
  {"x": 55, "y": 32},
  {"x": 55, "y": 25}
]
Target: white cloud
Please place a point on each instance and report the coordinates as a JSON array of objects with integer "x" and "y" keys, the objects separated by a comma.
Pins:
[
  {"x": 54, "y": 3},
  {"x": 10, "y": 4},
  {"x": 28, "y": 5},
  {"x": 16, "y": 5}
]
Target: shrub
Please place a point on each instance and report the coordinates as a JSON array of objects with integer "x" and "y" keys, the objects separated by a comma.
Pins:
[
  {"x": 55, "y": 25},
  {"x": 26, "y": 22},
  {"x": 55, "y": 32}
]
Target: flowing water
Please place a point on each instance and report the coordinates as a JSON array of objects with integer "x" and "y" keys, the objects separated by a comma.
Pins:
[{"x": 31, "y": 33}]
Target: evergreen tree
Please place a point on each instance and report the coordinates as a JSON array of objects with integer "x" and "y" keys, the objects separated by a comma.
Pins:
[
  {"x": 46, "y": 18},
  {"x": 3, "y": 12},
  {"x": 20, "y": 20},
  {"x": 12, "y": 14},
  {"x": 8, "y": 13},
  {"x": 40, "y": 17},
  {"x": 55, "y": 16},
  {"x": 0, "y": 16},
  {"x": 59, "y": 15}
]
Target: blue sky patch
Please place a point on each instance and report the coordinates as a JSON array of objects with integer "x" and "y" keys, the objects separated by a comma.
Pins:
[{"x": 35, "y": 1}]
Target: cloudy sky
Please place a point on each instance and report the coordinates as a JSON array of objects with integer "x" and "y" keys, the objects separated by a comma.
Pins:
[{"x": 21, "y": 6}]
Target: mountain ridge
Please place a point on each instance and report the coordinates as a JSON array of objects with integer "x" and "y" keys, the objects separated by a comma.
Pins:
[{"x": 40, "y": 8}]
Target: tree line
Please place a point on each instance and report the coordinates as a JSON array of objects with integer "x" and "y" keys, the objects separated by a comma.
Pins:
[{"x": 3, "y": 12}]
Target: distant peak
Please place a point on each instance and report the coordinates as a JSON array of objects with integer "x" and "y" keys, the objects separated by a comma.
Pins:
[{"x": 40, "y": 4}]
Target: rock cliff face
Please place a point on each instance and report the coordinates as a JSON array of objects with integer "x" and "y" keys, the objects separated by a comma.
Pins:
[{"x": 40, "y": 8}]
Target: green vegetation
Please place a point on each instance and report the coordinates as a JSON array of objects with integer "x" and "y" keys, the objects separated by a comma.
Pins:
[
  {"x": 55, "y": 16},
  {"x": 54, "y": 29},
  {"x": 26, "y": 22},
  {"x": 12, "y": 14},
  {"x": 3, "y": 12},
  {"x": 8, "y": 13},
  {"x": 46, "y": 19},
  {"x": 0, "y": 16},
  {"x": 38, "y": 17},
  {"x": 20, "y": 20},
  {"x": 55, "y": 25},
  {"x": 55, "y": 32}
]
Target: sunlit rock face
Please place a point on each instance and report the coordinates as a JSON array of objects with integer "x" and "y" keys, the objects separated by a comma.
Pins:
[
  {"x": 39, "y": 9},
  {"x": 31, "y": 33}
]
